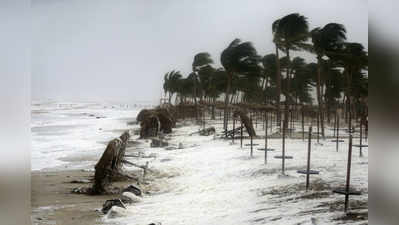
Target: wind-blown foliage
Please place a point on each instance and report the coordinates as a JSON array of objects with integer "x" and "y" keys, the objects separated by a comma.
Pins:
[
  {"x": 339, "y": 73},
  {"x": 238, "y": 58}
]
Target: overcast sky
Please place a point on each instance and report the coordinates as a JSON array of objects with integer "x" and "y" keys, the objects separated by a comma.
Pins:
[{"x": 119, "y": 50}]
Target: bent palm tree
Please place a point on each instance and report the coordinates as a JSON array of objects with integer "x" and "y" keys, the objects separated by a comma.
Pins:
[
  {"x": 354, "y": 59},
  {"x": 325, "y": 40},
  {"x": 238, "y": 57},
  {"x": 290, "y": 33},
  {"x": 200, "y": 59},
  {"x": 276, "y": 41}
]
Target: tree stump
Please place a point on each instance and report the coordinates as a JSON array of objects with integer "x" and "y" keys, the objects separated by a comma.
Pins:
[{"x": 110, "y": 164}]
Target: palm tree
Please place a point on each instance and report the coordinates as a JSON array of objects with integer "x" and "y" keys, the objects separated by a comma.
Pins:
[
  {"x": 334, "y": 86},
  {"x": 200, "y": 59},
  {"x": 238, "y": 58},
  {"x": 325, "y": 40},
  {"x": 276, "y": 40},
  {"x": 170, "y": 83},
  {"x": 354, "y": 59},
  {"x": 270, "y": 70},
  {"x": 301, "y": 81},
  {"x": 205, "y": 75},
  {"x": 290, "y": 33}
]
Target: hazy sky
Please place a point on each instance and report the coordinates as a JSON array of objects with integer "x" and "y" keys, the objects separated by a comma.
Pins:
[{"x": 120, "y": 50}]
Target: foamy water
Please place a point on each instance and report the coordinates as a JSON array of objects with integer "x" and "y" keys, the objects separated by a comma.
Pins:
[{"x": 63, "y": 130}]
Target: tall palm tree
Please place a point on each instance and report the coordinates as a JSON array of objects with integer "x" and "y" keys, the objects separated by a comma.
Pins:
[
  {"x": 269, "y": 70},
  {"x": 170, "y": 83},
  {"x": 277, "y": 41},
  {"x": 354, "y": 59},
  {"x": 325, "y": 40},
  {"x": 200, "y": 59},
  {"x": 238, "y": 58},
  {"x": 290, "y": 33},
  {"x": 301, "y": 81}
]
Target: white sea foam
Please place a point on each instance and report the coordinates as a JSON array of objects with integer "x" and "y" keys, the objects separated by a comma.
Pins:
[
  {"x": 68, "y": 129},
  {"x": 219, "y": 183}
]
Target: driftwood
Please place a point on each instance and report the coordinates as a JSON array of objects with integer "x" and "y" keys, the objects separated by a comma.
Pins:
[
  {"x": 204, "y": 132},
  {"x": 158, "y": 142},
  {"x": 110, "y": 164},
  {"x": 235, "y": 131},
  {"x": 246, "y": 121}
]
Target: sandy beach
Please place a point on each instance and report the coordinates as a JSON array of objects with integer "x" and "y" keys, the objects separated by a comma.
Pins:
[{"x": 208, "y": 180}]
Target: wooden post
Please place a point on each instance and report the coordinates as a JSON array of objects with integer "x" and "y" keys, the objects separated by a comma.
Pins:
[
  {"x": 337, "y": 132},
  {"x": 264, "y": 124},
  {"x": 283, "y": 158},
  {"x": 203, "y": 119},
  {"x": 303, "y": 125},
  {"x": 318, "y": 123},
  {"x": 241, "y": 135},
  {"x": 308, "y": 165},
  {"x": 291, "y": 122},
  {"x": 234, "y": 127},
  {"x": 271, "y": 122},
  {"x": 348, "y": 172},
  {"x": 251, "y": 146},
  {"x": 256, "y": 119},
  {"x": 266, "y": 138},
  {"x": 335, "y": 124},
  {"x": 361, "y": 137}
]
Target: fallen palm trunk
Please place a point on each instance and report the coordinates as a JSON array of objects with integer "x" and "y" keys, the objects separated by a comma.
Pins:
[
  {"x": 246, "y": 121},
  {"x": 205, "y": 132},
  {"x": 109, "y": 166}
]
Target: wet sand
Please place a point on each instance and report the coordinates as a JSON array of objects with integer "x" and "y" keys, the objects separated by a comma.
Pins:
[{"x": 53, "y": 203}]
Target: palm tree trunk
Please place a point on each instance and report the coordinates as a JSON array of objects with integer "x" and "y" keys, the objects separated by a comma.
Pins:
[
  {"x": 286, "y": 111},
  {"x": 320, "y": 103},
  {"x": 278, "y": 79},
  {"x": 226, "y": 100},
  {"x": 349, "y": 99},
  {"x": 195, "y": 95},
  {"x": 213, "y": 108},
  {"x": 170, "y": 97}
]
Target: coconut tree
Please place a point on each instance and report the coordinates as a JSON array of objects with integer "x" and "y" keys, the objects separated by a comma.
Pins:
[
  {"x": 277, "y": 42},
  {"x": 333, "y": 83},
  {"x": 269, "y": 69},
  {"x": 170, "y": 83},
  {"x": 238, "y": 58},
  {"x": 290, "y": 33},
  {"x": 354, "y": 59},
  {"x": 326, "y": 40},
  {"x": 301, "y": 81},
  {"x": 205, "y": 75},
  {"x": 201, "y": 59}
]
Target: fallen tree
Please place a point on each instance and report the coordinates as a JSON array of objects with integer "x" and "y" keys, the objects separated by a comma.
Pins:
[
  {"x": 109, "y": 167},
  {"x": 246, "y": 121}
]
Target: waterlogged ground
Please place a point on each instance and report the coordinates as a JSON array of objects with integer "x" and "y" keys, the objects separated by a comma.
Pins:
[
  {"x": 209, "y": 181},
  {"x": 219, "y": 183}
]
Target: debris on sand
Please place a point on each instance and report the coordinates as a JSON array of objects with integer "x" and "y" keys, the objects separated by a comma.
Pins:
[{"x": 111, "y": 203}]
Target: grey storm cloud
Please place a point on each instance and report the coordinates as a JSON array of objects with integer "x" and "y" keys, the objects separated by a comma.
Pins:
[{"x": 119, "y": 50}]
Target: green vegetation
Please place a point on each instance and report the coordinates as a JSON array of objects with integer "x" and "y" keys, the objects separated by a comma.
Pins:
[{"x": 339, "y": 77}]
